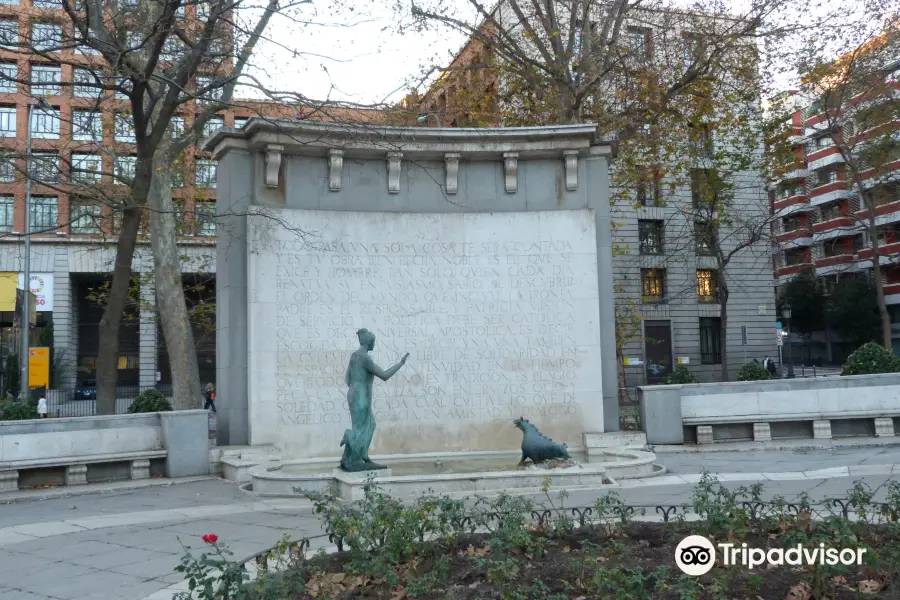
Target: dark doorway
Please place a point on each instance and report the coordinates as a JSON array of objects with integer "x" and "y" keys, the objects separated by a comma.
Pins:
[{"x": 658, "y": 349}]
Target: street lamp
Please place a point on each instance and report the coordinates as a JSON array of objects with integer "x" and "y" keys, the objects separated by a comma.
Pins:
[
  {"x": 786, "y": 313},
  {"x": 26, "y": 276}
]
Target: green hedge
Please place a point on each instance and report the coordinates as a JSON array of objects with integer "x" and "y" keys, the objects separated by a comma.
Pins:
[
  {"x": 150, "y": 401},
  {"x": 754, "y": 371},
  {"x": 679, "y": 376},
  {"x": 870, "y": 359},
  {"x": 11, "y": 410}
]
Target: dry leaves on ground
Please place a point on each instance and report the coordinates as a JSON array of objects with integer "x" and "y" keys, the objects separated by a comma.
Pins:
[{"x": 801, "y": 591}]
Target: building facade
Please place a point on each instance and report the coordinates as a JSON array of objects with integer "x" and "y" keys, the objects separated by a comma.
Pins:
[
  {"x": 822, "y": 224},
  {"x": 665, "y": 281}
]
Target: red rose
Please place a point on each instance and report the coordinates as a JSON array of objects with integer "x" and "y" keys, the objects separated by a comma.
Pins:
[{"x": 210, "y": 538}]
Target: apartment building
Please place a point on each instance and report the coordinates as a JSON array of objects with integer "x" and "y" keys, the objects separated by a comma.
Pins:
[
  {"x": 822, "y": 224},
  {"x": 663, "y": 271},
  {"x": 79, "y": 142}
]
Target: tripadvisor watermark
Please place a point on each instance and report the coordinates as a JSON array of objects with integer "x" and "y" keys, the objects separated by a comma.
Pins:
[{"x": 696, "y": 555}]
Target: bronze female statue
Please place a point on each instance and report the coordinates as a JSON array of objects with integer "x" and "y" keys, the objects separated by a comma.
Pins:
[{"x": 361, "y": 372}]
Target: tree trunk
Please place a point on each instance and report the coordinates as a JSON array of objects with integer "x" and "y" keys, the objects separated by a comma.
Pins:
[
  {"x": 170, "y": 300},
  {"x": 620, "y": 377},
  {"x": 879, "y": 285},
  {"x": 723, "y": 322},
  {"x": 108, "y": 355}
]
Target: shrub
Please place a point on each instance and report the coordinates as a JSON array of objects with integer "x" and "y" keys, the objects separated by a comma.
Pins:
[
  {"x": 680, "y": 375},
  {"x": 10, "y": 410},
  {"x": 753, "y": 371},
  {"x": 150, "y": 401},
  {"x": 869, "y": 359}
]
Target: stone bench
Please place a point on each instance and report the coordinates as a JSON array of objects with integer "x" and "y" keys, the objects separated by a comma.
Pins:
[
  {"x": 824, "y": 408},
  {"x": 76, "y": 466},
  {"x": 180, "y": 438}
]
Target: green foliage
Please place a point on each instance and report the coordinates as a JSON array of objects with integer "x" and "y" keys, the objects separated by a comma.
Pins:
[
  {"x": 753, "y": 371},
  {"x": 680, "y": 375},
  {"x": 852, "y": 311},
  {"x": 870, "y": 359},
  {"x": 211, "y": 576},
  {"x": 150, "y": 401},
  {"x": 807, "y": 301},
  {"x": 12, "y": 410}
]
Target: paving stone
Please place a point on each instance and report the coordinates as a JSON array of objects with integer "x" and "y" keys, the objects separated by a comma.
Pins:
[{"x": 120, "y": 557}]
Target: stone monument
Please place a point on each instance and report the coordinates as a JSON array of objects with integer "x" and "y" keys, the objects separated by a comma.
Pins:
[{"x": 484, "y": 253}]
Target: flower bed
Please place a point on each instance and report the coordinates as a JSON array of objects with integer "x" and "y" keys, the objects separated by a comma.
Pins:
[{"x": 514, "y": 549}]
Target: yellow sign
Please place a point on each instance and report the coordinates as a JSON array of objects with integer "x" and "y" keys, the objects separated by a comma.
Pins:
[
  {"x": 39, "y": 368},
  {"x": 8, "y": 284}
]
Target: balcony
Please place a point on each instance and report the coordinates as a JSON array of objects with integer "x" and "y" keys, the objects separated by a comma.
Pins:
[
  {"x": 839, "y": 225},
  {"x": 889, "y": 173},
  {"x": 786, "y": 205},
  {"x": 885, "y": 214},
  {"x": 790, "y": 270},
  {"x": 824, "y": 158},
  {"x": 802, "y": 236},
  {"x": 828, "y": 192},
  {"x": 883, "y": 252}
]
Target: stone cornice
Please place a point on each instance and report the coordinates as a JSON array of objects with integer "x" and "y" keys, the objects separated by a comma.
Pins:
[{"x": 313, "y": 138}]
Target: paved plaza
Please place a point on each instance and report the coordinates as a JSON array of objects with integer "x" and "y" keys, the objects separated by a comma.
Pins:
[{"x": 122, "y": 544}]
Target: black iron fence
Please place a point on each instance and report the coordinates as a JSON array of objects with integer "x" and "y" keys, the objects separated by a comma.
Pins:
[{"x": 82, "y": 401}]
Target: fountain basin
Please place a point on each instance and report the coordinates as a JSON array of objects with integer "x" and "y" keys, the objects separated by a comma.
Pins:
[{"x": 452, "y": 473}]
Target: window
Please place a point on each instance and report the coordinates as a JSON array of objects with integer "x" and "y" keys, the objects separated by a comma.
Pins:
[
  {"x": 636, "y": 40},
  {"x": 205, "y": 174},
  {"x": 44, "y": 167},
  {"x": 44, "y": 214},
  {"x": 9, "y": 2},
  {"x": 172, "y": 48},
  {"x": 7, "y": 121},
  {"x": 86, "y": 168},
  {"x": 124, "y": 89},
  {"x": 125, "y": 168},
  {"x": 176, "y": 127},
  {"x": 706, "y": 286},
  {"x": 239, "y": 122},
  {"x": 83, "y": 76},
  {"x": 8, "y": 74},
  {"x": 44, "y": 124},
  {"x": 87, "y": 126},
  {"x": 789, "y": 224},
  {"x": 835, "y": 247},
  {"x": 7, "y": 204},
  {"x": 205, "y": 218},
  {"x": 46, "y": 36},
  {"x": 795, "y": 256},
  {"x": 648, "y": 184},
  {"x": 45, "y": 80},
  {"x": 859, "y": 242},
  {"x": 702, "y": 140},
  {"x": 705, "y": 237},
  {"x": 831, "y": 211},
  {"x": 692, "y": 49},
  {"x": 124, "y": 128},
  {"x": 7, "y": 168},
  {"x": 87, "y": 50},
  {"x": 651, "y": 234},
  {"x": 47, "y": 3},
  {"x": 85, "y": 219},
  {"x": 704, "y": 184},
  {"x": 823, "y": 141},
  {"x": 213, "y": 94},
  {"x": 827, "y": 176},
  {"x": 653, "y": 285},
  {"x": 710, "y": 340},
  {"x": 9, "y": 33},
  {"x": 212, "y": 126}
]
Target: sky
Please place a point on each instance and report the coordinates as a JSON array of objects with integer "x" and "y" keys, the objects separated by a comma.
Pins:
[{"x": 356, "y": 55}]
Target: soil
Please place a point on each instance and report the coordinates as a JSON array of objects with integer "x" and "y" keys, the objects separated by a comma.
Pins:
[{"x": 569, "y": 564}]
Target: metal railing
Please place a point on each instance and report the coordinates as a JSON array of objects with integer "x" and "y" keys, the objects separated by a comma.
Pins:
[{"x": 82, "y": 401}]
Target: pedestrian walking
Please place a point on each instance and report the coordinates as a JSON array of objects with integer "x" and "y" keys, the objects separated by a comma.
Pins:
[
  {"x": 42, "y": 407},
  {"x": 769, "y": 364},
  {"x": 210, "y": 396}
]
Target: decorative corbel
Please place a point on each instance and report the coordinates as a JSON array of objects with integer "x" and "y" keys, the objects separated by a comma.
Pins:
[
  {"x": 273, "y": 164},
  {"x": 335, "y": 168},
  {"x": 510, "y": 168},
  {"x": 451, "y": 161},
  {"x": 571, "y": 158},
  {"x": 393, "y": 164}
]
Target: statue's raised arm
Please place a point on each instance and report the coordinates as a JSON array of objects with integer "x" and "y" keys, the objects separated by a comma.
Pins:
[{"x": 360, "y": 373}]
